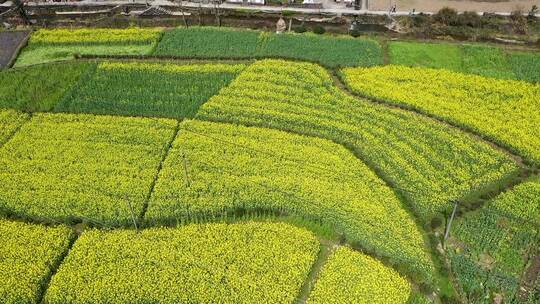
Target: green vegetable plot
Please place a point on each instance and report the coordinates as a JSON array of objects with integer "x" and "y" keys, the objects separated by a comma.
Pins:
[
  {"x": 39, "y": 88},
  {"x": 62, "y": 44},
  {"x": 149, "y": 89},
  {"x": 492, "y": 245},
  {"x": 209, "y": 42}
]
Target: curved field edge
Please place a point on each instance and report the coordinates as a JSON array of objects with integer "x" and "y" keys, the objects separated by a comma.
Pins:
[
  {"x": 436, "y": 97},
  {"x": 365, "y": 280},
  {"x": 216, "y": 168},
  {"x": 51, "y": 124},
  {"x": 301, "y": 98}
]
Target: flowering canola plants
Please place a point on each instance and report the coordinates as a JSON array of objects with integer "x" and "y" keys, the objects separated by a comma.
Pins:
[
  {"x": 28, "y": 254},
  {"x": 249, "y": 262},
  {"x": 10, "y": 121},
  {"x": 62, "y": 44},
  {"x": 215, "y": 168},
  {"x": 104, "y": 35},
  {"x": 352, "y": 277},
  {"x": 505, "y": 111},
  {"x": 431, "y": 162},
  {"x": 82, "y": 167}
]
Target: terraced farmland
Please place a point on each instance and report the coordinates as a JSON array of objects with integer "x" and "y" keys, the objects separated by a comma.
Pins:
[{"x": 238, "y": 166}]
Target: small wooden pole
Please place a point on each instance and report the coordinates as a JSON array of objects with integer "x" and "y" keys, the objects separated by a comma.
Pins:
[{"x": 447, "y": 232}]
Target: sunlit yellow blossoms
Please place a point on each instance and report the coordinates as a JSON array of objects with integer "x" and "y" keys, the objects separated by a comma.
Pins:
[
  {"x": 248, "y": 262},
  {"x": 505, "y": 111},
  {"x": 28, "y": 255},
  {"x": 355, "y": 278}
]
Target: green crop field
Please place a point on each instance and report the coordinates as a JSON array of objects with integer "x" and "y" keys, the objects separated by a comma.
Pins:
[
  {"x": 208, "y": 42},
  {"x": 40, "y": 87},
  {"x": 416, "y": 156},
  {"x": 488, "y": 61},
  {"x": 122, "y": 89},
  {"x": 501, "y": 235},
  {"x": 222, "y": 165}
]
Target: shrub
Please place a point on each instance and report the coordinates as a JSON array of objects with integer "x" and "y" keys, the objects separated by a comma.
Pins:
[
  {"x": 446, "y": 16},
  {"x": 300, "y": 28},
  {"x": 469, "y": 18},
  {"x": 319, "y": 29},
  {"x": 355, "y": 33},
  {"x": 519, "y": 22}
]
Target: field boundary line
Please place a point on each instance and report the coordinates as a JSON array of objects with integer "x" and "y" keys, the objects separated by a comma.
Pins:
[
  {"x": 326, "y": 249},
  {"x": 522, "y": 173},
  {"x": 17, "y": 129},
  {"x": 140, "y": 218},
  {"x": 340, "y": 83},
  {"x": 56, "y": 265}
]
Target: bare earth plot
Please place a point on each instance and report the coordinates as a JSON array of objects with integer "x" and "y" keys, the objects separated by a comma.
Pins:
[{"x": 9, "y": 42}]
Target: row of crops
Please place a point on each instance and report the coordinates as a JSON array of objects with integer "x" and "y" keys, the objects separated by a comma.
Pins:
[
  {"x": 330, "y": 51},
  {"x": 103, "y": 169},
  {"x": 492, "y": 247},
  {"x": 112, "y": 171},
  {"x": 245, "y": 262},
  {"x": 428, "y": 161},
  {"x": 289, "y": 96},
  {"x": 467, "y": 58},
  {"x": 199, "y": 42},
  {"x": 505, "y": 111}
]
